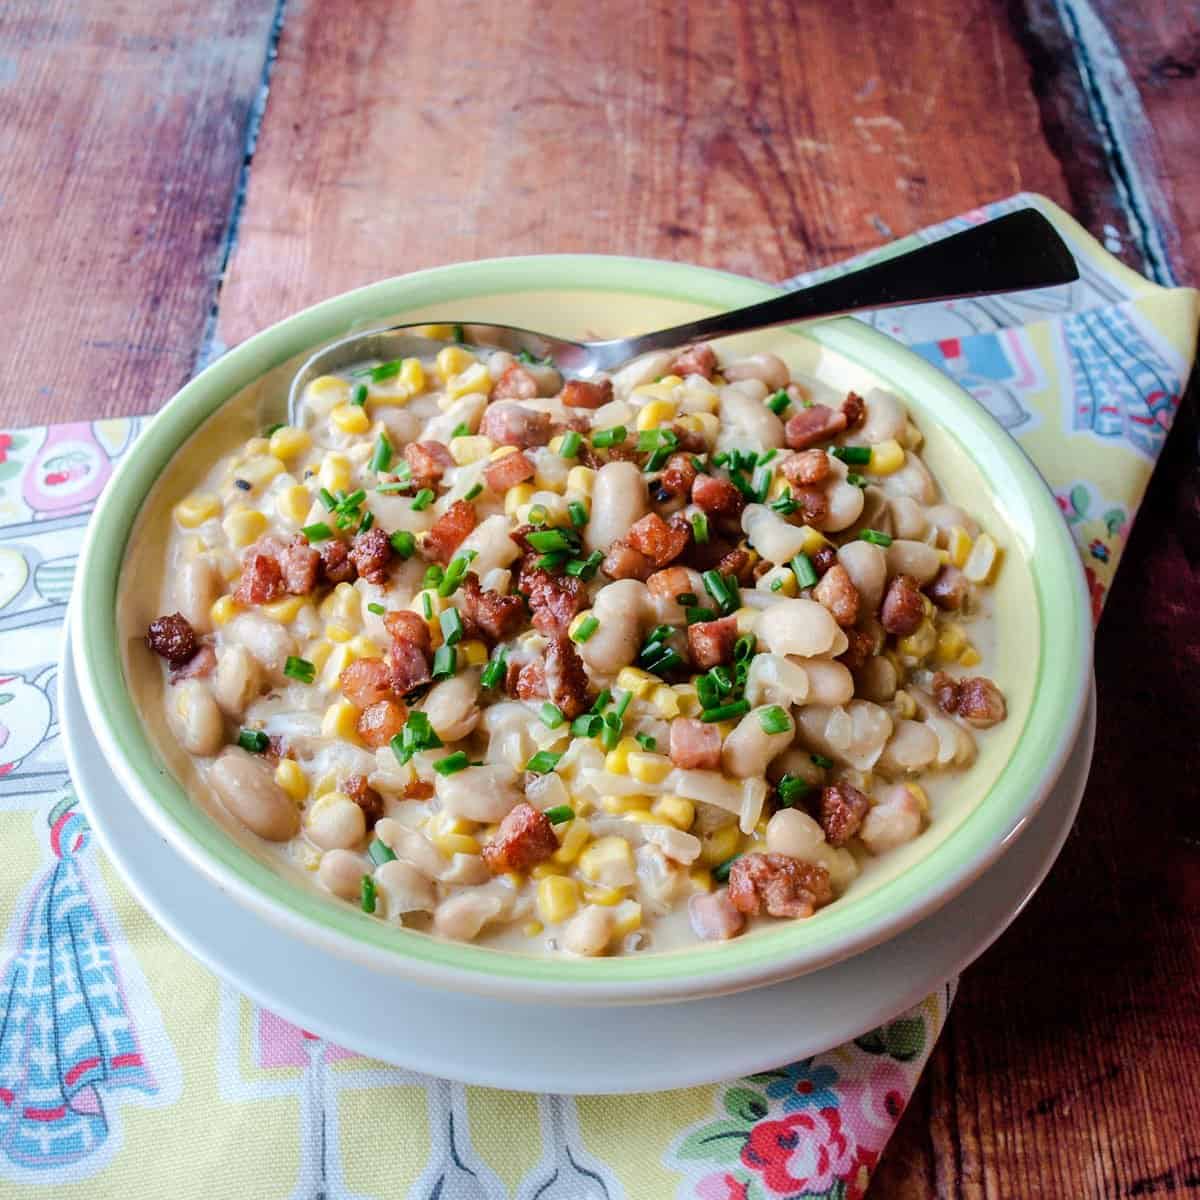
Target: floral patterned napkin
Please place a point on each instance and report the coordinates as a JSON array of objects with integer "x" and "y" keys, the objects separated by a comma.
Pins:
[{"x": 126, "y": 1070}]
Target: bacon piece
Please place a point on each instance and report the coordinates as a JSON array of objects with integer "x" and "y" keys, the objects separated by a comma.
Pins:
[
  {"x": 300, "y": 565},
  {"x": 699, "y": 359},
  {"x": 202, "y": 663},
  {"x": 718, "y": 497},
  {"x": 624, "y": 562},
  {"x": 336, "y": 564},
  {"x": 371, "y": 555},
  {"x": 428, "y": 462},
  {"x": 837, "y": 592},
  {"x": 824, "y": 559},
  {"x": 554, "y": 599},
  {"x": 582, "y": 393},
  {"x": 813, "y": 505},
  {"x": 948, "y": 589},
  {"x": 903, "y": 607},
  {"x": 524, "y": 839},
  {"x": 496, "y": 617},
  {"x": 710, "y": 643},
  {"x": 861, "y": 648},
  {"x": 812, "y": 425},
  {"x": 409, "y": 666},
  {"x": 695, "y": 745},
  {"x": 406, "y": 626},
  {"x": 515, "y": 384},
  {"x": 525, "y": 681},
  {"x": 678, "y": 475},
  {"x": 783, "y": 886},
  {"x": 842, "y": 810},
  {"x": 418, "y": 789},
  {"x": 672, "y": 582},
  {"x": 509, "y": 424},
  {"x": 448, "y": 532},
  {"x": 365, "y": 796},
  {"x": 689, "y": 441},
  {"x": 976, "y": 699},
  {"x": 508, "y": 471},
  {"x": 659, "y": 542},
  {"x": 738, "y": 562},
  {"x": 380, "y": 722},
  {"x": 806, "y": 468},
  {"x": 713, "y": 917},
  {"x": 854, "y": 410},
  {"x": 261, "y": 582},
  {"x": 566, "y": 680},
  {"x": 365, "y": 682},
  {"x": 173, "y": 638}
]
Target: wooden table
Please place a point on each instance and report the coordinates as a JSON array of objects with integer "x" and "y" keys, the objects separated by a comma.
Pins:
[{"x": 153, "y": 213}]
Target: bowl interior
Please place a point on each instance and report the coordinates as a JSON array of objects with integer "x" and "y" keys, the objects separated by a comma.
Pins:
[{"x": 1039, "y": 600}]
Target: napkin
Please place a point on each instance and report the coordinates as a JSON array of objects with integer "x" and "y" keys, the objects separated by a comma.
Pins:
[{"x": 126, "y": 1070}]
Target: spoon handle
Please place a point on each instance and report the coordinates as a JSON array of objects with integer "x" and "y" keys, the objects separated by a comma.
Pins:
[{"x": 1009, "y": 254}]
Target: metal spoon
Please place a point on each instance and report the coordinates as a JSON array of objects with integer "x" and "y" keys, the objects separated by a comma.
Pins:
[{"x": 1010, "y": 254}]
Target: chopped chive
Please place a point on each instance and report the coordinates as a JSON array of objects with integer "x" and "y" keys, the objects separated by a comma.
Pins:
[
  {"x": 417, "y": 734},
  {"x": 821, "y": 761},
  {"x": 666, "y": 662},
  {"x": 766, "y": 456},
  {"x": 610, "y": 735},
  {"x": 875, "y": 537},
  {"x": 699, "y": 464},
  {"x": 382, "y": 458},
  {"x": 456, "y": 332},
  {"x": 777, "y": 585},
  {"x": 647, "y": 742},
  {"x": 857, "y": 455},
  {"x": 725, "y": 712},
  {"x": 460, "y": 430},
  {"x": 493, "y": 673},
  {"x": 387, "y": 370},
  {"x": 720, "y": 459},
  {"x": 569, "y": 446},
  {"x": 658, "y": 459},
  {"x": 427, "y": 606},
  {"x": 377, "y": 609},
  {"x": 700, "y": 528},
  {"x": 475, "y": 489},
  {"x": 687, "y": 599},
  {"x": 623, "y": 705},
  {"x": 609, "y": 437},
  {"x": 721, "y": 870},
  {"x": 445, "y": 660},
  {"x": 452, "y": 763},
  {"x": 404, "y": 543},
  {"x": 553, "y": 562},
  {"x": 578, "y": 513},
  {"x": 543, "y": 762},
  {"x": 551, "y": 715},
  {"x": 253, "y": 740},
  {"x": 743, "y": 648},
  {"x": 317, "y": 532},
  {"x": 394, "y": 487},
  {"x": 367, "y": 894},
  {"x": 696, "y": 614},
  {"x": 449, "y": 582},
  {"x": 367, "y": 521},
  {"x": 856, "y": 480},
  {"x": 806, "y": 573},
  {"x": 358, "y": 397},
  {"x": 723, "y": 679},
  {"x": 726, "y": 595},
  {"x": 433, "y": 576},
  {"x": 452, "y": 626},
  {"x": 587, "y": 627},
  {"x": 587, "y": 725},
  {"x": 602, "y": 701},
  {"x": 559, "y": 813},
  {"x": 792, "y": 788},
  {"x": 270, "y": 429},
  {"x": 778, "y": 402},
  {"x": 380, "y": 852},
  {"x": 299, "y": 668},
  {"x": 553, "y": 539},
  {"x": 585, "y": 568},
  {"x": 326, "y": 498},
  {"x": 422, "y": 500},
  {"x": 774, "y": 720}
]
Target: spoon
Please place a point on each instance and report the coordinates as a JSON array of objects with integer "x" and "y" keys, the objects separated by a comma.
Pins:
[{"x": 1013, "y": 253}]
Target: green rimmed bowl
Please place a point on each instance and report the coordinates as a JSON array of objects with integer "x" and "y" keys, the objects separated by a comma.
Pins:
[{"x": 1041, "y": 602}]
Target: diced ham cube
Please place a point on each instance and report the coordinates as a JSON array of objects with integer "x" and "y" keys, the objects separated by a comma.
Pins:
[
  {"x": 695, "y": 745},
  {"x": 581, "y": 393},
  {"x": 448, "y": 532},
  {"x": 515, "y": 384},
  {"x": 525, "y": 838},
  {"x": 508, "y": 471},
  {"x": 710, "y": 643},
  {"x": 510, "y": 424},
  {"x": 718, "y": 497}
]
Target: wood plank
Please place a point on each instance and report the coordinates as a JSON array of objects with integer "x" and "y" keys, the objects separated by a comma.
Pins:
[
  {"x": 122, "y": 128},
  {"x": 767, "y": 138}
]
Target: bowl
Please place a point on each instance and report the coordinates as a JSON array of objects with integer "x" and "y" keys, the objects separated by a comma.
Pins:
[{"x": 1041, "y": 603}]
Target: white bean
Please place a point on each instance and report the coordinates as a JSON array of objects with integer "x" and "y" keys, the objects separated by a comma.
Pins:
[
  {"x": 773, "y": 679},
  {"x": 404, "y": 889},
  {"x": 196, "y": 718},
  {"x": 466, "y": 410},
  {"x": 801, "y": 627},
  {"x": 244, "y": 784},
  {"x": 452, "y": 706},
  {"x": 774, "y": 538},
  {"x": 886, "y": 418},
  {"x": 829, "y": 683},
  {"x": 944, "y": 517},
  {"x": 867, "y": 566},
  {"x": 746, "y": 422},
  {"x": 908, "y": 518},
  {"x": 794, "y": 833},
  {"x": 485, "y": 793},
  {"x": 411, "y": 846},
  {"x": 956, "y": 744},
  {"x": 913, "y": 558},
  {"x": 749, "y": 748},
  {"x": 641, "y": 370},
  {"x": 621, "y": 609},
  {"x": 266, "y": 640},
  {"x": 769, "y": 368},
  {"x": 491, "y": 543},
  {"x": 341, "y": 872},
  {"x": 498, "y": 362},
  {"x": 197, "y": 588},
  {"x": 896, "y": 819},
  {"x": 913, "y": 746},
  {"x": 913, "y": 479},
  {"x": 588, "y": 932},
  {"x": 797, "y": 762},
  {"x": 618, "y": 500},
  {"x": 468, "y": 869},
  {"x": 853, "y": 734},
  {"x": 402, "y": 424},
  {"x": 335, "y": 822},
  {"x": 845, "y": 500},
  {"x": 464, "y": 914},
  {"x": 877, "y": 679},
  {"x": 549, "y": 379},
  {"x": 237, "y": 679}
]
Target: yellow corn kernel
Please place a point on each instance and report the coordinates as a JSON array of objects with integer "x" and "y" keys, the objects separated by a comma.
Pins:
[
  {"x": 720, "y": 844},
  {"x": 665, "y": 701},
  {"x": 343, "y": 604},
  {"x": 920, "y": 796},
  {"x": 943, "y": 557},
  {"x": 779, "y": 485},
  {"x": 621, "y": 804},
  {"x": 290, "y": 776},
  {"x": 292, "y": 504},
  {"x": 656, "y": 414},
  {"x": 958, "y": 545},
  {"x": 254, "y": 448},
  {"x": 317, "y": 652},
  {"x": 309, "y": 857},
  {"x": 689, "y": 702},
  {"x": 633, "y": 679},
  {"x": 338, "y": 633},
  {"x": 545, "y": 869},
  {"x": 197, "y": 508},
  {"x": 502, "y": 452},
  {"x": 412, "y": 377},
  {"x": 260, "y": 470},
  {"x": 660, "y": 389},
  {"x": 649, "y": 768},
  {"x": 616, "y": 761},
  {"x": 603, "y": 895},
  {"x": 981, "y": 562},
  {"x": 364, "y": 647},
  {"x": 284, "y": 611},
  {"x": 532, "y": 928},
  {"x": 905, "y": 705},
  {"x": 223, "y": 610},
  {"x": 326, "y": 784},
  {"x": 574, "y": 838},
  {"x": 813, "y": 540},
  {"x": 288, "y": 442},
  {"x": 475, "y": 652},
  {"x": 702, "y": 879},
  {"x": 326, "y": 392},
  {"x": 629, "y": 918},
  {"x": 675, "y": 810},
  {"x": 437, "y": 604},
  {"x": 350, "y": 418},
  {"x": 451, "y": 361},
  {"x": 970, "y": 657},
  {"x": 243, "y": 526},
  {"x": 747, "y": 619},
  {"x": 603, "y": 853},
  {"x": 455, "y": 843},
  {"x": 442, "y": 823},
  {"x": 919, "y": 643},
  {"x": 581, "y": 479},
  {"x": 706, "y": 424},
  {"x": 886, "y": 458},
  {"x": 474, "y": 379},
  {"x": 578, "y": 620},
  {"x": 334, "y": 475},
  {"x": 469, "y": 449},
  {"x": 557, "y": 898},
  {"x": 517, "y": 497},
  {"x": 951, "y": 642},
  {"x": 337, "y": 659},
  {"x": 643, "y": 816},
  {"x": 340, "y": 721}
]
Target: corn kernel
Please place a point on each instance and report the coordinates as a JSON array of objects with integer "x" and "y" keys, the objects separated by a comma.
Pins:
[
  {"x": 326, "y": 784},
  {"x": 517, "y": 497},
  {"x": 338, "y": 658},
  {"x": 364, "y": 647},
  {"x": 951, "y": 642},
  {"x": 706, "y": 424},
  {"x": 289, "y": 442},
  {"x": 350, "y": 418},
  {"x": 616, "y": 761},
  {"x": 284, "y": 611},
  {"x": 649, "y": 768},
  {"x": 451, "y": 361},
  {"x": 475, "y": 652},
  {"x": 326, "y": 392},
  {"x": 514, "y": 879},
  {"x": 474, "y": 379},
  {"x": 675, "y": 810},
  {"x": 886, "y": 458},
  {"x": 640, "y": 683},
  {"x": 532, "y": 928},
  {"x": 629, "y": 918},
  {"x": 702, "y": 879},
  {"x": 412, "y": 377},
  {"x": 545, "y": 869},
  {"x": 943, "y": 557},
  {"x": 244, "y": 526},
  {"x": 223, "y": 610},
  {"x": 920, "y": 796},
  {"x": 469, "y": 449},
  {"x": 813, "y": 540},
  {"x": 307, "y": 856},
  {"x": 334, "y": 475},
  {"x": 581, "y": 479},
  {"x": 643, "y": 816},
  {"x": 574, "y": 838},
  {"x": 338, "y": 633},
  {"x": 656, "y": 414},
  {"x": 779, "y": 485},
  {"x": 290, "y": 776},
  {"x": 970, "y": 657},
  {"x": 919, "y": 643},
  {"x": 904, "y": 705},
  {"x": 340, "y": 721},
  {"x": 605, "y": 853},
  {"x": 254, "y": 448},
  {"x": 502, "y": 452},
  {"x": 621, "y": 804},
  {"x": 317, "y": 652},
  {"x": 344, "y": 604},
  {"x": 444, "y": 822},
  {"x": 603, "y": 896},
  {"x": 720, "y": 844},
  {"x": 557, "y": 899},
  {"x": 981, "y": 562},
  {"x": 451, "y": 844},
  {"x": 197, "y": 508},
  {"x": 292, "y": 504},
  {"x": 665, "y": 701},
  {"x": 958, "y": 545},
  {"x": 660, "y": 389}
]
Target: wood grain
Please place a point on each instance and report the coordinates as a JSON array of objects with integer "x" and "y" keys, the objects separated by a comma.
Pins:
[
  {"x": 122, "y": 128},
  {"x": 766, "y": 138}
]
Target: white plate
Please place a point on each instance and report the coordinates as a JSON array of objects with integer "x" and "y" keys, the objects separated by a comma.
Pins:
[{"x": 539, "y": 1048}]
